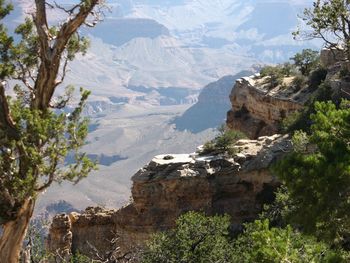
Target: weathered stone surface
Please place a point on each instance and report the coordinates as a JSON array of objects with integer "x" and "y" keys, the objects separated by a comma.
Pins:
[
  {"x": 329, "y": 57},
  {"x": 59, "y": 241},
  {"x": 258, "y": 109},
  {"x": 173, "y": 184}
]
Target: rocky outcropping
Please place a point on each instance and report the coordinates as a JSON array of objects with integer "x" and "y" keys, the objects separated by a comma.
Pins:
[
  {"x": 258, "y": 109},
  {"x": 330, "y": 57},
  {"x": 59, "y": 242},
  {"x": 338, "y": 72},
  {"x": 171, "y": 185},
  {"x": 212, "y": 105}
]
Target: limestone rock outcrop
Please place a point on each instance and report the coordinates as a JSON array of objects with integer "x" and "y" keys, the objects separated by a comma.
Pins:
[
  {"x": 173, "y": 184},
  {"x": 257, "y": 109},
  {"x": 59, "y": 241}
]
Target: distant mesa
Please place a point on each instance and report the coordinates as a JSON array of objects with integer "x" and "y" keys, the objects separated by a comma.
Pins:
[
  {"x": 121, "y": 30},
  {"x": 210, "y": 110}
]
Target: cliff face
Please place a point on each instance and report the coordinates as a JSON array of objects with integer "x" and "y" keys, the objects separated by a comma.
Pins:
[
  {"x": 212, "y": 105},
  {"x": 170, "y": 185},
  {"x": 173, "y": 184},
  {"x": 258, "y": 109}
]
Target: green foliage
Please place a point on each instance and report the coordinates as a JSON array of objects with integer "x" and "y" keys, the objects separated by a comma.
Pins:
[
  {"x": 299, "y": 82},
  {"x": 300, "y": 120},
  {"x": 274, "y": 75},
  {"x": 80, "y": 258},
  {"x": 318, "y": 180},
  {"x": 224, "y": 142},
  {"x": 45, "y": 140},
  {"x": 33, "y": 159},
  {"x": 316, "y": 77},
  {"x": 279, "y": 211},
  {"x": 344, "y": 72},
  {"x": 6, "y": 41},
  {"x": 306, "y": 61},
  {"x": 327, "y": 20},
  {"x": 262, "y": 244},
  {"x": 35, "y": 243},
  {"x": 195, "y": 239}
]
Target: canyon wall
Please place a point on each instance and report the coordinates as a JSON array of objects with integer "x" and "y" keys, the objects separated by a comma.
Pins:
[
  {"x": 169, "y": 186},
  {"x": 257, "y": 109}
]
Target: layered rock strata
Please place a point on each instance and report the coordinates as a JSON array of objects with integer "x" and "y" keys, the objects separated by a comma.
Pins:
[
  {"x": 257, "y": 109},
  {"x": 171, "y": 185}
]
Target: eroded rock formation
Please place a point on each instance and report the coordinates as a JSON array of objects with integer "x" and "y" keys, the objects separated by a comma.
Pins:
[
  {"x": 171, "y": 185},
  {"x": 257, "y": 109}
]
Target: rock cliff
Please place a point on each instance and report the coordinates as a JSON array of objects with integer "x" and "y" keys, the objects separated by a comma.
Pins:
[
  {"x": 257, "y": 109},
  {"x": 170, "y": 185},
  {"x": 212, "y": 105}
]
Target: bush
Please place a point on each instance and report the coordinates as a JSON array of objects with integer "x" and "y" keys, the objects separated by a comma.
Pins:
[
  {"x": 289, "y": 69},
  {"x": 276, "y": 74},
  {"x": 318, "y": 182},
  {"x": 316, "y": 77},
  {"x": 261, "y": 243},
  {"x": 299, "y": 82},
  {"x": 196, "y": 238},
  {"x": 224, "y": 141},
  {"x": 306, "y": 61},
  {"x": 300, "y": 120},
  {"x": 200, "y": 239}
]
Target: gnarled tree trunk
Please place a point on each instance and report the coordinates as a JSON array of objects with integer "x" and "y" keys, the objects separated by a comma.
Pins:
[{"x": 14, "y": 233}]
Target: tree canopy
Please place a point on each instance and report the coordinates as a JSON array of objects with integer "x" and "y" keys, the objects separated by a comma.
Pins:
[
  {"x": 36, "y": 131},
  {"x": 317, "y": 174},
  {"x": 328, "y": 20}
]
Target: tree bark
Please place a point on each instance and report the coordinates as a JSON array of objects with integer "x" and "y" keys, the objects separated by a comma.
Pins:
[
  {"x": 14, "y": 233},
  {"x": 51, "y": 56}
]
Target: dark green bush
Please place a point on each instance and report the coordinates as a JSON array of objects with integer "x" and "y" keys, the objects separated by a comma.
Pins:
[
  {"x": 275, "y": 74},
  {"x": 224, "y": 141},
  {"x": 261, "y": 243},
  {"x": 300, "y": 120},
  {"x": 316, "y": 77},
  {"x": 306, "y": 61},
  {"x": 318, "y": 181},
  {"x": 195, "y": 239},
  {"x": 344, "y": 73}
]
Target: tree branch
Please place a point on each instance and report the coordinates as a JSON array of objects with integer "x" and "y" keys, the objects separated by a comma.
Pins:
[
  {"x": 40, "y": 20},
  {"x": 46, "y": 82}
]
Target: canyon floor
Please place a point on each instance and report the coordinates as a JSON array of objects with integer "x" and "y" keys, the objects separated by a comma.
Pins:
[{"x": 124, "y": 141}]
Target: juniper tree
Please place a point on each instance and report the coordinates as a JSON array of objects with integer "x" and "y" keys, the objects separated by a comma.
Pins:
[
  {"x": 35, "y": 136},
  {"x": 317, "y": 175},
  {"x": 328, "y": 20}
]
